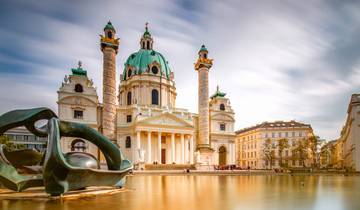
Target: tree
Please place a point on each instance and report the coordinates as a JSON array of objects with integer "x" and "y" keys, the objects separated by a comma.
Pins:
[
  {"x": 301, "y": 151},
  {"x": 268, "y": 152},
  {"x": 282, "y": 145},
  {"x": 9, "y": 144},
  {"x": 312, "y": 143}
]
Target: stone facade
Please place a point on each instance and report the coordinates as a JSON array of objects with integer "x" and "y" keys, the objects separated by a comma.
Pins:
[
  {"x": 250, "y": 143},
  {"x": 222, "y": 135},
  {"x": 78, "y": 102},
  {"x": 148, "y": 127},
  {"x": 346, "y": 151}
]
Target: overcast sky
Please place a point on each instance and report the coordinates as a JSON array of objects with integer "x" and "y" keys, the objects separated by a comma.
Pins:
[{"x": 276, "y": 60}]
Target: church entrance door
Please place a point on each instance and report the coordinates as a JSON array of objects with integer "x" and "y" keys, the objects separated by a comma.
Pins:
[
  {"x": 163, "y": 157},
  {"x": 222, "y": 156}
]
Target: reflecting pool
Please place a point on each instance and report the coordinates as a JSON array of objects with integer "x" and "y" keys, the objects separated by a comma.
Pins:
[{"x": 188, "y": 192}]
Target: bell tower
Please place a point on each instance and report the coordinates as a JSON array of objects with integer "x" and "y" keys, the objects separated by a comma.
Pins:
[
  {"x": 202, "y": 66},
  {"x": 109, "y": 46}
]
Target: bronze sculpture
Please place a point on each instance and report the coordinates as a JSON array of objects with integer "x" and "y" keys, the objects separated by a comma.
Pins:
[{"x": 61, "y": 172}]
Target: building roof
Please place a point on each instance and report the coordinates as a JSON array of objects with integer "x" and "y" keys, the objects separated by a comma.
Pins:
[
  {"x": 275, "y": 124},
  {"x": 143, "y": 58},
  {"x": 218, "y": 93},
  {"x": 79, "y": 71},
  {"x": 109, "y": 26},
  {"x": 203, "y": 48}
]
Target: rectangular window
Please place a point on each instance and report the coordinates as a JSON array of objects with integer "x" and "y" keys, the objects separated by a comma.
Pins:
[
  {"x": 273, "y": 135},
  {"x": 128, "y": 118},
  {"x": 293, "y": 134},
  {"x": 222, "y": 126},
  {"x": 286, "y": 134},
  {"x": 128, "y": 142},
  {"x": 279, "y": 135},
  {"x": 300, "y": 134},
  {"x": 78, "y": 114}
]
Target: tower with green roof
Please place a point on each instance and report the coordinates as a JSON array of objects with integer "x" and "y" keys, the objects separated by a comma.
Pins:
[
  {"x": 109, "y": 45},
  {"x": 202, "y": 66}
]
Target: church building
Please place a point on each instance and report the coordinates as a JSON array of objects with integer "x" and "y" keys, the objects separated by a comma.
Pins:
[{"x": 141, "y": 116}]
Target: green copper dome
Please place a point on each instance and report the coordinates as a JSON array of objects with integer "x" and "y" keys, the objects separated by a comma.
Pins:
[
  {"x": 143, "y": 58},
  {"x": 109, "y": 26},
  {"x": 203, "y": 48},
  {"x": 218, "y": 93}
]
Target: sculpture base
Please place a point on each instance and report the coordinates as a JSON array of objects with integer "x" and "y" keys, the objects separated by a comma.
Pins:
[
  {"x": 38, "y": 193},
  {"x": 204, "y": 160}
]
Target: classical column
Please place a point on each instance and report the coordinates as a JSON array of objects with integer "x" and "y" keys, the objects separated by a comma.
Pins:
[
  {"x": 138, "y": 146},
  {"x": 182, "y": 149},
  {"x": 187, "y": 150},
  {"x": 159, "y": 148},
  {"x": 191, "y": 155},
  {"x": 149, "y": 147},
  {"x": 172, "y": 147}
]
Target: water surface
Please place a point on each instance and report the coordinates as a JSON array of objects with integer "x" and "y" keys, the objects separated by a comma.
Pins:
[{"x": 217, "y": 192}]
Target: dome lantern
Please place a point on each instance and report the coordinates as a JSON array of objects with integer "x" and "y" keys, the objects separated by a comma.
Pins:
[{"x": 146, "y": 41}]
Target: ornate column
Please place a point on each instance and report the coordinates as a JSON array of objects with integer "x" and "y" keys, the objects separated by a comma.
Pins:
[
  {"x": 182, "y": 149},
  {"x": 109, "y": 46},
  {"x": 149, "y": 147},
  {"x": 159, "y": 148},
  {"x": 191, "y": 155},
  {"x": 172, "y": 147}
]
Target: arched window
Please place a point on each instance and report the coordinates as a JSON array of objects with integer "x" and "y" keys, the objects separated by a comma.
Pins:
[
  {"x": 78, "y": 145},
  {"x": 109, "y": 35},
  {"x": 128, "y": 142},
  {"x": 154, "y": 70},
  {"x": 148, "y": 45},
  {"x": 129, "y": 98},
  {"x": 129, "y": 73},
  {"x": 143, "y": 45},
  {"x": 222, "y": 107},
  {"x": 155, "y": 97},
  {"x": 79, "y": 88}
]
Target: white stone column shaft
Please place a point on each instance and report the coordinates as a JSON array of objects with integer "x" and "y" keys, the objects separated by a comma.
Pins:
[
  {"x": 149, "y": 148},
  {"x": 159, "y": 148},
  {"x": 172, "y": 147},
  {"x": 187, "y": 159},
  {"x": 138, "y": 146},
  {"x": 182, "y": 149},
  {"x": 191, "y": 155}
]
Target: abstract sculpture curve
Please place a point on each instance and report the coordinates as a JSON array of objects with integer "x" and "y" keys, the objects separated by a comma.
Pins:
[{"x": 58, "y": 175}]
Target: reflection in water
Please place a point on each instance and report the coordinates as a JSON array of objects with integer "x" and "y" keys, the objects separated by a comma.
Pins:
[{"x": 217, "y": 192}]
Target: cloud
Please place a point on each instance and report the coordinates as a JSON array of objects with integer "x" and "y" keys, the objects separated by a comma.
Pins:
[{"x": 276, "y": 60}]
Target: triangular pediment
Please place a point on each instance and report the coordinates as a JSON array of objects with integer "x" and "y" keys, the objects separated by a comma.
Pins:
[{"x": 166, "y": 119}]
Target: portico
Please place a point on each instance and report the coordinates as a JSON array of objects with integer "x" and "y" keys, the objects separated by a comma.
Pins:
[{"x": 163, "y": 146}]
